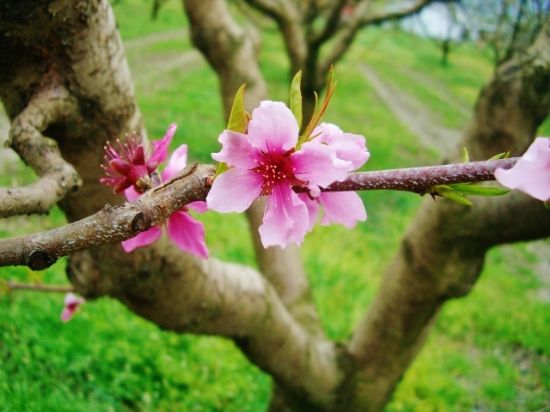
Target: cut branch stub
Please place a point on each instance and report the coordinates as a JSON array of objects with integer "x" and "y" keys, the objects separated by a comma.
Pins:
[{"x": 39, "y": 259}]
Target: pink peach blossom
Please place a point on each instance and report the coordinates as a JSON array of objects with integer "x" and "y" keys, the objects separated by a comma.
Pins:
[
  {"x": 132, "y": 170},
  {"x": 72, "y": 303},
  {"x": 531, "y": 173},
  {"x": 267, "y": 162},
  {"x": 131, "y": 165},
  {"x": 185, "y": 231},
  {"x": 344, "y": 208},
  {"x": 348, "y": 146}
]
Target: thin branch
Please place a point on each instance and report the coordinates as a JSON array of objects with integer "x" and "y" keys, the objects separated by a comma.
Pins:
[
  {"x": 421, "y": 179},
  {"x": 57, "y": 177},
  {"x": 360, "y": 18},
  {"x": 411, "y": 9},
  {"x": 114, "y": 224},
  {"x": 36, "y": 287},
  {"x": 270, "y": 8},
  {"x": 330, "y": 26},
  {"x": 515, "y": 32},
  {"x": 289, "y": 18},
  {"x": 229, "y": 49}
]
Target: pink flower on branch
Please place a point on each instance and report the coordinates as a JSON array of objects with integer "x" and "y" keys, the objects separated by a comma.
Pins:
[
  {"x": 269, "y": 161},
  {"x": 131, "y": 165},
  {"x": 72, "y": 303},
  {"x": 135, "y": 171},
  {"x": 344, "y": 208},
  {"x": 531, "y": 173}
]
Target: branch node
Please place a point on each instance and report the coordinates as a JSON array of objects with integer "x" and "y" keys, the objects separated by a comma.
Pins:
[
  {"x": 139, "y": 223},
  {"x": 38, "y": 259}
]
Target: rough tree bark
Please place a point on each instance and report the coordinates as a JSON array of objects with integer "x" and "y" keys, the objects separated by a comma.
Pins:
[{"x": 440, "y": 257}]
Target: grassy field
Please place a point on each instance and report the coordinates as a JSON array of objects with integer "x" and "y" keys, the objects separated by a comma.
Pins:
[{"x": 489, "y": 351}]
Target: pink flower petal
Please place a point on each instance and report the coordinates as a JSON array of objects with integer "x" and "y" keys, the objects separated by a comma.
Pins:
[
  {"x": 286, "y": 218},
  {"x": 187, "y": 233},
  {"x": 348, "y": 146},
  {"x": 344, "y": 208},
  {"x": 273, "y": 127},
  {"x": 131, "y": 194},
  {"x": 71, "y": 305},
  {"x": 177, "y": 162},
  {"x": 531, "y": 173},
  {"x": 142, "y": 239},
  {"x": 236, "y": 150},
  {"x": 234, "y": 191},
  {"x": 160, "y": 148},
  {"x": 199, "y": 206},
  {"x": 317, "y": 164},
  {"x": 312, "y": 209}
]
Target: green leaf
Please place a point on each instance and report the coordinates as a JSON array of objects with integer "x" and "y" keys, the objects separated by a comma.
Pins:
[
  {"x": 222, "y": 167},
  {"x": 465, "y": 155},
  {"x": 448, "y": 192},
  {"x": 440, "y": 188},
  {"x": 238, "y": 120},
  {"x": 296, "y": 98},
  {"x": 319, "y": 112},
  {"x": 455, "y": 197},
  {"x": 478, "y": 190},
  {"x": 503, "y": 155},
  {"x": 546, "y": 204}
]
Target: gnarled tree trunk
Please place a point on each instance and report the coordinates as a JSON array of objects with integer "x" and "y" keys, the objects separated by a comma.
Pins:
[
  {"x": 442, "y": 253},
  {"x": 75, "y": 47}
]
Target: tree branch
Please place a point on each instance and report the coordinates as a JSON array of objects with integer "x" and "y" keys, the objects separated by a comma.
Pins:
[
  {"x": 409, "y": 10},
  {"x": 289, "y": 18},
  {"x": 35, "y": 287},
  {"x": 330, "y": 26},
  {"x": 114, "y": 224},
  {"x": 270, "y": 8},
  {"x": 360, "y": 18},
  {"x": 57, "y": 177},
  {"x": 111, "y": 224},
  {"x": 285, "y": 271},
  {"x": 421, "y": 179},
  {"x": 228, "y": 48}
]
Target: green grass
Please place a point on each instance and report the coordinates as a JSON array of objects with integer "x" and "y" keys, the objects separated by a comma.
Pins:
[{"x": 489, "y": 351}]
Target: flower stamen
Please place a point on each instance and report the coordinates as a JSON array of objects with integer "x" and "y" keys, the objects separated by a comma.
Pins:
[{"x": 276, "y": 168}]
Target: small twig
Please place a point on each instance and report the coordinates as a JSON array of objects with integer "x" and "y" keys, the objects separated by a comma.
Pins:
[
  {"x": 37, "y": 287},
  {"x": 114, "y": 224},
  {"x": 421, "y": 179}
]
